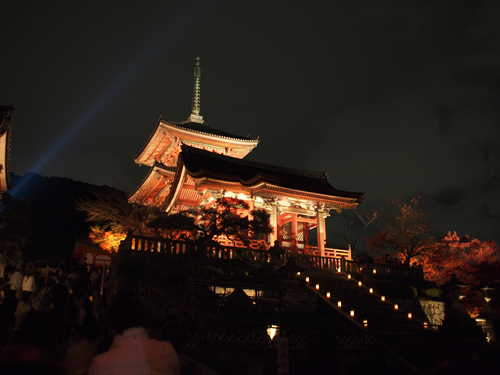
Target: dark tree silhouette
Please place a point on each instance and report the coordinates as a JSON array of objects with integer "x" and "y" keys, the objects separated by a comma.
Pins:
[
  {"x": 15, "y": 228},
  {"x": 232, "y": 218},
  {"x": 407, "y": 230}
]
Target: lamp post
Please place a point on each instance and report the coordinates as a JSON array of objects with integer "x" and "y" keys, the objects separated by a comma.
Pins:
[{"x": 281, "y": 348}]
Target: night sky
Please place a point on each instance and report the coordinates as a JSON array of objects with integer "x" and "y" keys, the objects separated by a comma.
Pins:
[{"x": 390, "y": 97}]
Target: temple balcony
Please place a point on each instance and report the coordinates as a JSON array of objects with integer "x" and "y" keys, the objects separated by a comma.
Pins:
[{"x": 336, "y": 260}]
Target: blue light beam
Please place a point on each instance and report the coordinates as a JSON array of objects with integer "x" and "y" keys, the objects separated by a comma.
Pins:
[{"x": 169, "y": 37}]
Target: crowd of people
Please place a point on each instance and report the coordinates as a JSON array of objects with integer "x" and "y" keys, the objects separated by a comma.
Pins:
[
  {"x": 61, "y": 292},
  {"x": 52, "y": 321}
]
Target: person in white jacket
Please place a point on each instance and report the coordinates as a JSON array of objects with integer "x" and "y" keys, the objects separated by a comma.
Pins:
[
  {"x": 16, "y": 281},
  {"x": 29, "y": 285},
  {"x": 132, "y": 351}
]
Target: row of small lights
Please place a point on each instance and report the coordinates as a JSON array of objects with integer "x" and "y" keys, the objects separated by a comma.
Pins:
[{"x": 382, "y": 298}]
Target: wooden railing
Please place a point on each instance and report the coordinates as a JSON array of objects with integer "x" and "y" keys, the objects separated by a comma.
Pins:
[
  {"x": 313, "y": 250},
  {"x": 213, "y": 250},
  {"x": 338, "y": 262}
]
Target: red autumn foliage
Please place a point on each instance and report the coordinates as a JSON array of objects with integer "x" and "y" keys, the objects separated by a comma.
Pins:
[{"x": 470, "y": 259}]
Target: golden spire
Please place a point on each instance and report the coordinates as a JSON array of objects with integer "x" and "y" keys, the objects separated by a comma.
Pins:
[{"x": 195, "y": 106}]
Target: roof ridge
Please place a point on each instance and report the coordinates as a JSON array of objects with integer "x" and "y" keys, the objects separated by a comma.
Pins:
[
  {"x": 179, "y": 124},
  {"x": 269, "y": 167}
]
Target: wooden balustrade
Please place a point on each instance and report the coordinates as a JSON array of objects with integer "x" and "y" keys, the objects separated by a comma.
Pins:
[{"x": 336, "y": 260}]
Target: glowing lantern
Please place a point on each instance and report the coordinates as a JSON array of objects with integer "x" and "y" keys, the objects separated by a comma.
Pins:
[
  {"x": 426, "y": 325},
  {"x": 307, "y": 279},
  {"x": 409, "y": 316},
  {"x": 349, "y": 276},
  {"x": 272, "y": 330},
  {"x": 382, "y": 298},
  {"x": 365, "y": 323},
  {"x": 352, "y": 313},
  {"x": 317, "y": 286},
  {"x": 374, "y": 271},
  {"x": 371, "y": 290},
  {"x": 360, "y": 283},
  {"x": 396, "y": 306},
  {"x": 327, "y": 294},
  {"x": 339, "y": 303}
]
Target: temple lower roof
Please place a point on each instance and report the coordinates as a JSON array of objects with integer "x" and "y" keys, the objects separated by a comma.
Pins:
[{"x": 201, "y": 163}]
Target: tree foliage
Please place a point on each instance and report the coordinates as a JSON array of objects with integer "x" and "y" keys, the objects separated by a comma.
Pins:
[
  {"x": 470, "y": 259},
  {"x": 113, "y": 217},
  {"x": 407, "y": 230},
  {"x": 110, "y": 208},
  {"x": 15, "y": 228},
  {"x": 108, "y": 239},
  {"x": 173, "y": 226},
  {"x": 231, "y": 218}
]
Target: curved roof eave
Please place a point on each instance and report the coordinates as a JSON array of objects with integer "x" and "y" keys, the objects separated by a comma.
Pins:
[
  {"x": 202, "y": 128},
  {"x": 223, "y": 136},
  {"x": 152, "y": 169},
  {"x": 261, "y": 183}
]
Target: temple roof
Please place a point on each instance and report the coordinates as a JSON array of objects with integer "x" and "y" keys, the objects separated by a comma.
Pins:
[
  {"x": 5, "y": 126},
  {"x": 205, "y": 129},
  {"x": 6, "y": 117},
  {"x": 164, "y": 144},
  {"x": 204, "y": 164},
  {"x": 159, "y": 178}
]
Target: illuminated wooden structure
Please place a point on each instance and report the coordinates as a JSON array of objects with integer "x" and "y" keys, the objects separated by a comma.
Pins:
[
  {"x": 5, "y": 129},
  {"x": 193, "y": 165},
  {"x": 163, "y": 148}
]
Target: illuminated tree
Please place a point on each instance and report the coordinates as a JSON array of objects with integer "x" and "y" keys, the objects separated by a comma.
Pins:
[
  {"x": 470, "y": 259},
  {"x": 113, "y": 216},
  {"x": 108, "y": 239},
  {"x": 113, "y": 208},
  {"x": 231, "y": 218},
  {"x": 407, "y": 230}
]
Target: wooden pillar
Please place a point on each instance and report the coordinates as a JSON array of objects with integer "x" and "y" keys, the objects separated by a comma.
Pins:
[
  {"x": 306, "y": 235},
  {"x": 320, "y": 217},
  {"x": 274, "y": 223},
  {"x": 251, "y": 207},
  {"x": 295, "y": 245}
]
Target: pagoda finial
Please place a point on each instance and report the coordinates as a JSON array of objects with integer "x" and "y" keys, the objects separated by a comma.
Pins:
[{"x": 195, "y": 106}]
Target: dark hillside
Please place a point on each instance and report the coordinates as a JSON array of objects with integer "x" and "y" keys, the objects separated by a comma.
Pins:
[{"x": 56, "y": 224}]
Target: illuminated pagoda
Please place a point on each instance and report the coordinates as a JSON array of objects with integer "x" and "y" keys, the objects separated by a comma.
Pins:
[
  {"x": 163, "y": 148},
  {"x": 193, "y": 165},
  {"x": 5, "y": 129}
]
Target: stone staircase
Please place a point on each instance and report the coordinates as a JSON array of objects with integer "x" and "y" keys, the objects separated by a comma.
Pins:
[{"x": 405, "y": 337}]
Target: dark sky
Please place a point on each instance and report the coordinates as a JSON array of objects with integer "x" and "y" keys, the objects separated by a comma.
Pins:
[{"x": 391, "y": 97}]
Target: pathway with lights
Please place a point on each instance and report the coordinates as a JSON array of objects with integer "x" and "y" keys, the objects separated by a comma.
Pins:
[{"x": 409, "y": 340}]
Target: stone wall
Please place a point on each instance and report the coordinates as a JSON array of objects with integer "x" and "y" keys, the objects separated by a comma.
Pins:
[{"x": 434, "y": 310}]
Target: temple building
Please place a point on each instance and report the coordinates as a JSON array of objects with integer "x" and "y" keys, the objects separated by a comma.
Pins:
[
  {"x": 192, "y": 165},
  {"x": 5, "y": 129}
]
